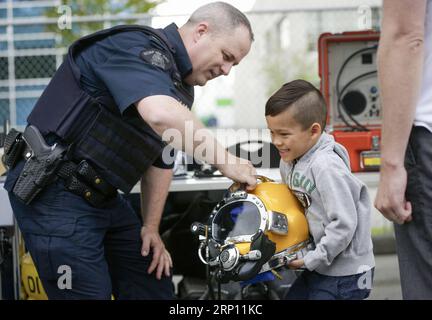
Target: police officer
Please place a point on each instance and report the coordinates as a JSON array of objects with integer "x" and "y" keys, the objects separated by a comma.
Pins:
[{"x": 104, "y": 113}]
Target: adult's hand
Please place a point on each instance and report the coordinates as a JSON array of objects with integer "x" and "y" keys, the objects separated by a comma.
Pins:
[
  {"x": 390, "y": 199},
  {"x": 161, "y": 261},
  {"x": 237, "y": 170}
]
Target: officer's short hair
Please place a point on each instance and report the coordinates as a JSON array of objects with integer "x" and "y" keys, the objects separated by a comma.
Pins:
[
  {"x": 304, "y": 101},
  {"x": 222, "y": 17}
]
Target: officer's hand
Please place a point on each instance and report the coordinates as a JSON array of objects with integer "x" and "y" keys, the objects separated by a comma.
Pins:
[
  {"x": 161, "y": 260},
  {"x": 296, "y": 264},
  {"x": 390, "y": 199},
  {"x": 237, "y": 170}
]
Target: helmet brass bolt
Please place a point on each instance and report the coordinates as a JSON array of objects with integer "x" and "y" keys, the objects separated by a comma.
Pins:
[
  {"x": 97, "y": 180},
  {"x": 88, "y": 194}
]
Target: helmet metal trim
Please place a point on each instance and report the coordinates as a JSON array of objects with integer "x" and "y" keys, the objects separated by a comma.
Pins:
[
  {"x": 277, "y": 223},
  {"x": 264, "y": 217},
  {"x": 284, "y": 257},
  {"x": 229, "y": 258}
]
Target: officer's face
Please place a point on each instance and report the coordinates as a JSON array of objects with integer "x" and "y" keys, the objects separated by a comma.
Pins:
[{"x": 213, "y": 55}]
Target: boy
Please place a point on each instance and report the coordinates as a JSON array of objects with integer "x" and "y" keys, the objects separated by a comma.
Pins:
[{"x": 342, "y": 263}]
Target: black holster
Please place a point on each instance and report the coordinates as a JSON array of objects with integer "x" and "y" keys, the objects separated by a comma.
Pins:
[{"x": 41, "y": 167}]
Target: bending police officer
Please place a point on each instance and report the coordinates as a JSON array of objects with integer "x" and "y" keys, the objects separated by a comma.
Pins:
[{"x": 104, "y": 113}]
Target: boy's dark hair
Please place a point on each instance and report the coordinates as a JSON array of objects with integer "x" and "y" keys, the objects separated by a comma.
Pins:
[{"x": 304, "y": 100}]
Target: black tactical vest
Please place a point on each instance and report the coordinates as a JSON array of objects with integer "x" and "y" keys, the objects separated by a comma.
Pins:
[{"x": 120, "y": 147}]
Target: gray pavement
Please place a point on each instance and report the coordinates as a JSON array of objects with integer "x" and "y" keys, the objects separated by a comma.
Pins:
[{"x": 386, "y": 280}]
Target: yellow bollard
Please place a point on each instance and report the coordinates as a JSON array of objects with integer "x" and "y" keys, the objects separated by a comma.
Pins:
[{"x": 31, "y": 282}]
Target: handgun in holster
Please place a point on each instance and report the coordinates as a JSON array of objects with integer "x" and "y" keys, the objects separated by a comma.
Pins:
[{"x": 41, "y": 166}]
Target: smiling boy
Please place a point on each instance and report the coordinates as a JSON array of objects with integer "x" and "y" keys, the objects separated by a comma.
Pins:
[{"x": 342, "y": 263}]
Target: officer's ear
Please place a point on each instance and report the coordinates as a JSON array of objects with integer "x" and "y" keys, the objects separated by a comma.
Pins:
[{"x": 200, "y": 30}]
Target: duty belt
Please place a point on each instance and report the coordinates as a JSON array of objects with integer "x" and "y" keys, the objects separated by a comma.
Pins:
[
  {"x": 46, "y": 163},
  {"x": 84, "y": 181}
]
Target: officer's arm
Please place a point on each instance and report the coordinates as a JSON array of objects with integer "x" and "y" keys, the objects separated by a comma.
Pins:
[
  {"x": 164, "y": 112},
  {"x": 154, "y": 190}
]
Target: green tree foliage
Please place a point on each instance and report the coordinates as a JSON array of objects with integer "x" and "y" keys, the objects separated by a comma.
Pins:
[{"x": 94, "y": 8}]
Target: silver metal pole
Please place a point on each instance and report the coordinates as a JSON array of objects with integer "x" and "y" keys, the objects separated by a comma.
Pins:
[{"x": 16, "y": 261}]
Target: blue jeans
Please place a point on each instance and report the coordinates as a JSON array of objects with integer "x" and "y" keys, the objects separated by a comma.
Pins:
[
  {"x": 311, "y": 285},
  {"x": 101, "y": 247}
]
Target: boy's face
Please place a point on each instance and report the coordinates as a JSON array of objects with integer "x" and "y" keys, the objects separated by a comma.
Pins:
[{"x": 289, "y": 137}]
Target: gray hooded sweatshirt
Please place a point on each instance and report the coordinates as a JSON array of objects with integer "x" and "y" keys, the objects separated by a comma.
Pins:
[{"x": 339, "y": 216}]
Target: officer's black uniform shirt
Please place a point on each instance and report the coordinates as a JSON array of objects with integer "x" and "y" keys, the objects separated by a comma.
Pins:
[{"x": 119, "y": 65}]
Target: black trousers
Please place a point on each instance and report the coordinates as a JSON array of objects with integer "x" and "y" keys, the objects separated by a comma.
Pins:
[
  {"x": 414, "y": 239},
  {"x": 100, "y": 248}
]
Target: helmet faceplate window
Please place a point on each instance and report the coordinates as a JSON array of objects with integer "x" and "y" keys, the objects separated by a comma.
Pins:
[{"x": 235, "y": 219}]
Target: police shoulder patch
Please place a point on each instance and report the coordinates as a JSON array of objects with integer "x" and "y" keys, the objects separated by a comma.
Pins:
[{"x": 156, "y": 58}]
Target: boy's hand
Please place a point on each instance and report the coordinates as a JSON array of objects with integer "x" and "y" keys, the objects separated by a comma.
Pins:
[{"x": 296, "y": 264}]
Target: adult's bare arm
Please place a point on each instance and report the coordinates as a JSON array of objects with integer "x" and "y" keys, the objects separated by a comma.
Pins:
[
  {"x": 400, "y": 63},
  {"x": 154, "y": 191},
  {"x": 165, "y": 114}
]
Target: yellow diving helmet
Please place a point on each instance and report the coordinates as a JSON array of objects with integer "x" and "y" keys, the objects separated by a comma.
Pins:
[{"x": 251, "y": 232}]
